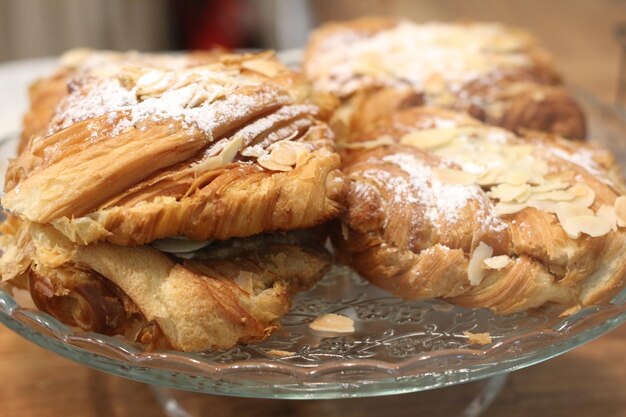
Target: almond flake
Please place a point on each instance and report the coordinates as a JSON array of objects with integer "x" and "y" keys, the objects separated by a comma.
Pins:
[
  {"x": 515, "y": 177},
  {"x": 502, "y": 209},
  {"x": 430, "y": 138},
  {"x": 478, "y": 338},
  {"x": 558, "y": 195},
  {"x": 565, "y": 210},
  {"x": 488, "y": 177},
  {"x": 268, "y": 163},
  {"x": 279, "y": 353},
  {"x": 222, "y": 159},
  {"x": 498, "y": 262},
  {"x": 263, "y": 67},
  {"x": 590, "y": 225},
  {"x": 453, "y": 176},
  {"x": 584, "y": 195},
  {"x": 368, "y": 144},
  {"x": 620, "y": 210},
  {"x": 333, "y": 323},
  {"x": 608, "y": 214},
  {"x": 508, "y": 193},
  {"x": 543, "y": 205},
  {"x": 475, "y": 270},
  {"x": 549, "y": 186},
  {"x": 283, "y": 154}
]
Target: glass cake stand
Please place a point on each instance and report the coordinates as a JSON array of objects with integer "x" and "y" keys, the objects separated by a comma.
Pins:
[{"x": 398, "y": 346}]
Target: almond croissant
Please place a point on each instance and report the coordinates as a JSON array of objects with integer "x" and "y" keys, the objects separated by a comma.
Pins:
[
  {"x": 495, "y": 73},
  {"x": 441, "y": 205}
]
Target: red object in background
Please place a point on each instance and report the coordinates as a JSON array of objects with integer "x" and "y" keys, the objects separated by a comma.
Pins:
[{"x": 204, "y": 24}]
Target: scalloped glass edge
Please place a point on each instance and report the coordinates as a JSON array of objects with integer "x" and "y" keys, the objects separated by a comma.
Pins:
[{"x": 274, "y": 378}]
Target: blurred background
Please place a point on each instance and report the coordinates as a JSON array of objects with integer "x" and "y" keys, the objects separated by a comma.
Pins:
[{"x": 581, "y": 33}]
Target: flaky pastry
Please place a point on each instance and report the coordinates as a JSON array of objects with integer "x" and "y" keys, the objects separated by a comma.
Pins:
[
  {"x": 441, "y": 205},
  {"x": 145, "y": 147},
  {"x": 497, "y": 74}
]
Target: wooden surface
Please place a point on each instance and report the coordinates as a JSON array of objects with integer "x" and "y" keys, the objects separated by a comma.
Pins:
[
  {"x": 586, "y": 382},
  {"x": 589, "y": 381}
]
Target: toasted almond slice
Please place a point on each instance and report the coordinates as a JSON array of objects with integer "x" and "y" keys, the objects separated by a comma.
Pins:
[
  {"x": 226, "y": 156},
  {"x": 263, "y": 66},
  {"x": 245, "y": 281},
  {"x": 368, "y": 144},
  {"x": 478, "y": 338},
  {"x": 488, "y": 177},
  {"x": 558, "y": 195},
  {"x": 179, "y": 245},
  {"x": 608, "y": 214},
  {"x": 283, "y": 154},
  {"x": 497, "y": 262},
  {"x": 279, "y": 353},
  {"x": 508, "y": 193},
  {"x": 543, "y": 205},
  {"x": 550, "y": 186},
  {"x": 430, "y": 138},
  {"x": 620, "y": 210},
  {"x": 502, "y": 209},
  {"x": 475, "y": 270},
  {"x": 333, "y": 323},
  {"x": 453, "y": 176},
  {"x": 268, "y": 163},
  {"x": 515, "y": 177},
  {"x": 593, "y": 226},
  {"x": 565, "y": 210},
  {"x": 584, "y": 195}
]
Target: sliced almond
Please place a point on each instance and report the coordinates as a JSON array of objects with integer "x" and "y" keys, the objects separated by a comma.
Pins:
[
  {"x": 497, "y": 262},
  {"x": 283, "y": 154},
  {"x": 608, "y": 214},
  {"x": 565, "y": 210},
  {"x": 478, "y": 338},
  {"x": 549, "y": 186},
  {"x": 430, "y": 138},
  {"x": 557, "y": 195},
  {"x": 543, "y": 205},
  {"x": 245, "y": 281},
  {"x": 453, "y": 176},
  {"x": 279, "y": 353},
  {"x": 620, "y": 210},
  {"x": 593, "y": 226},
  {"x": 502, "y": 209},
  {"x": 515, "y": 177},
  {"x": 265, "y": 67},
  {"x": 475, "y": 270},
  {"x": 488, "y": 177},
  {"x": 226, "y": 156},
  {"x": 369, "y": 144},
  {"x": 268, "y": 163},
  {"x": 584, "y": 195},
  {"x": 508, "y": 193},
  {"x": 333, "y": 323}
]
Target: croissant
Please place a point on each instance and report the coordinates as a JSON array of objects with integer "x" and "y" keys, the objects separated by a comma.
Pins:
[
  {"x": 497, "y": 74},
  {"x": 174, "y": 200},
  {"x": 443, "y": 206},
  {"x": 140, "y": 149},
  {"x": 227, "y": 293}
]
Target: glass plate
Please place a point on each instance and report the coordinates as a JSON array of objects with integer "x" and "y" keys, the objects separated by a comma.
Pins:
[{"x": 398, "y": 346}]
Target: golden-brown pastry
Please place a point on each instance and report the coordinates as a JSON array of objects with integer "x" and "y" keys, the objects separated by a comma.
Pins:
[
  {"x": 145, "y": 147},
  {"x": 441, "y": 205},
  {"x": 497, "y": 74},
  {"x": 226, "y": 293}
]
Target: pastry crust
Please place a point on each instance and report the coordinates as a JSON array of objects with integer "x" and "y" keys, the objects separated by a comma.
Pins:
[
  {"x": 146, "y": 146},
  {"x": 497, "y": 74},
  {"x": 446, "y": 192},
  {"x": 229, "y": 293}
]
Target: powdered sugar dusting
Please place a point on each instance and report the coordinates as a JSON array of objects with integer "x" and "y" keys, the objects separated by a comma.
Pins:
[
  {"x": 442, "y": 202},
  {"x": 415, "y": 55},
  {"x": 205, "y": 96}
]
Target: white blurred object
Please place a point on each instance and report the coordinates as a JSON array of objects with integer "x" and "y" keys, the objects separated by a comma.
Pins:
[
  {"x": 30, "y": 28},
  {"x": 284, "y": 23}
]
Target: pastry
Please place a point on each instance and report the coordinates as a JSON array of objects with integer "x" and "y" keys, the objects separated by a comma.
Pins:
[
  {"x": 225, "y": 293},
  {"x": 443, "y": 206},
  {"x": 497, "y": 74},
  {"x": 174, "y": 200},
  {"x": 139, "y": 150}
]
